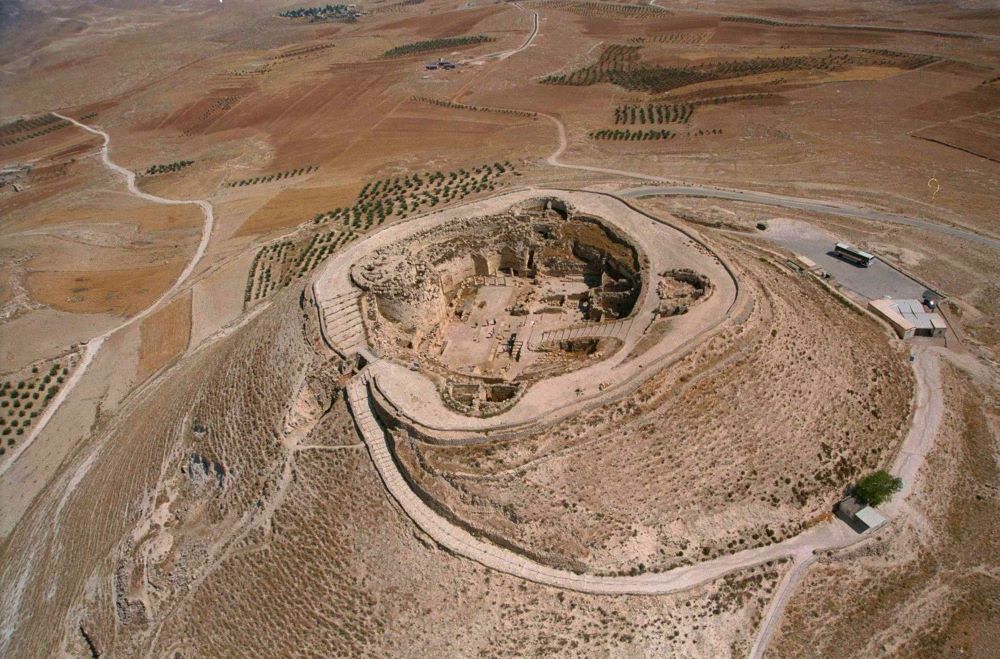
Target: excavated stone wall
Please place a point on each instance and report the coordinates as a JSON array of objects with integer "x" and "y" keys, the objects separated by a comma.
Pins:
[{"x": 410, "y": 283}]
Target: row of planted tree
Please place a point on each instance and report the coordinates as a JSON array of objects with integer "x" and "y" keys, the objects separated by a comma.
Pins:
[{"x": 378, "y": 201}]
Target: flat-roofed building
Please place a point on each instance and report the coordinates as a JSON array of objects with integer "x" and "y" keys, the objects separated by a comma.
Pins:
[
  {"x": 859, "y": 516},
  {"x": 909, "y": 317}
]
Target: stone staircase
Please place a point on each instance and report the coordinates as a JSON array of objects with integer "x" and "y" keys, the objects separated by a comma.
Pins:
[
  {"x": 515, "y": 351},
  {"x": 342, "y": 325},
  {"x": 611, "y": 329}
]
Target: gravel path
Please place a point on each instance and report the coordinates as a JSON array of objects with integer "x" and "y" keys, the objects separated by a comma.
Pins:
[{"x": 927, "y": 415}]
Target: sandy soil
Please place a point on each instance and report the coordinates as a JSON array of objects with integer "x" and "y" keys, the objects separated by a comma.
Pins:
[
  {"x": 923, "y": 588},
  {"x": 164, "y": 335}
]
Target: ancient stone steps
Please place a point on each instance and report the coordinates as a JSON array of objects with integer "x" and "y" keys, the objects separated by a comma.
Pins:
[
  {"x": 612, "y": 329},
  {"x": 342, "y": 323}
]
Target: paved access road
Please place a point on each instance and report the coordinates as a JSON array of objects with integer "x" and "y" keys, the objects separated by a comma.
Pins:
[
  {"x": 771, "y": 199},
  {"x": 802, "y": 203}
]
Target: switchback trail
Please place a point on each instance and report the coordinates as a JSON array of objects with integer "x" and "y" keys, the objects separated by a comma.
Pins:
[{"x": 94, "y": 345}]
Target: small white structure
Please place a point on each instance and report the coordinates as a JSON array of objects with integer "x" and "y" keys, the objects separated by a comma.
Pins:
[
  {"x": 805, "y": 262},
  {"x": 909, "y": 317},
  {"x": 809, "y": 265},
  {"x": 870, "y": 517},
  {"x": 859, "y": 516}
]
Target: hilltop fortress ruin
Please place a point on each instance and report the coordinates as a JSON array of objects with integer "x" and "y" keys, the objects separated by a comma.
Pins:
[{"x": 561, "y": 294}]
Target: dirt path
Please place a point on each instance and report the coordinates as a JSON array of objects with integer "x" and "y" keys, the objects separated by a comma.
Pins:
[
  {"x": 94, "y": 345},
  {"x": 504, "y": 54},
  {"x": 927, "y": 415},
  {"x": 498, "y": 56},
  {"x": 779, "y": 601},
  {"x": 531, "y": 35}
]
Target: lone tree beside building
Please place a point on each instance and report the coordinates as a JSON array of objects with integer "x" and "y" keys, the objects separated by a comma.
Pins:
[{"x": 877, "y": 487}]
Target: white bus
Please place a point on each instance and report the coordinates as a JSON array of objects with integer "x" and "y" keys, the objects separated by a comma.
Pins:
[{"x": 853, "y": 255}]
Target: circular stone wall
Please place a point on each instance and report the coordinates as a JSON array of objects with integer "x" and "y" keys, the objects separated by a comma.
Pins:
[
  {"x": 407, "y": 289},
  {"x": 519, "y": 305},
  {"x": 485, "y": 303}
]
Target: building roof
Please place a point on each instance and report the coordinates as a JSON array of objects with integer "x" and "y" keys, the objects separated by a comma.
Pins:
[
  {"x": 870, "y": 517},
  {"x": 860, "y": 515},
  {"x": 908, "y": 314},
  {"x": 850, "y": 506}
]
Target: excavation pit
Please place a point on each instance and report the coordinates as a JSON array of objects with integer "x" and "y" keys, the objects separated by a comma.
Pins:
[{"x": 518, "y": 306}]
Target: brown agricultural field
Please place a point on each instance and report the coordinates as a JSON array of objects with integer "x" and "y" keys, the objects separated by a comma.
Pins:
[{"x": 164, "y": 335}]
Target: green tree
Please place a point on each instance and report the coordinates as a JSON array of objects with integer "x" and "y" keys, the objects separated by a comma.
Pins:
[{"x": 877, "y": 487}]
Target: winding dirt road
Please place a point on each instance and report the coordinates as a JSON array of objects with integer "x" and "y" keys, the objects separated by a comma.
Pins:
[
  {"x": 929, "y": 410},
  {"x": 501, "y": 55},
  {"x": 94, "y": 345},
  {"x": 801, "y": 549},
  {"x": 531, "y": 35},
  {"x": 866, "y": 27}
]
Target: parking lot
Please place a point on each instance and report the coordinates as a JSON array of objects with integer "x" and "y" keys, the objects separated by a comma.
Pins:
[{"x": 876, "y": 281}]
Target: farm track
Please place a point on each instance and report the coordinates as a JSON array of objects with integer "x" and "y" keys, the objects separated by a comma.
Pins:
[
  {"x": 499, "y": 56},
  {"x": 531, "y": 35},
  {"x": 800, "y": 549},
  {"x": 752, "y": 19},
  {"x": 94, "y": 345}
]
